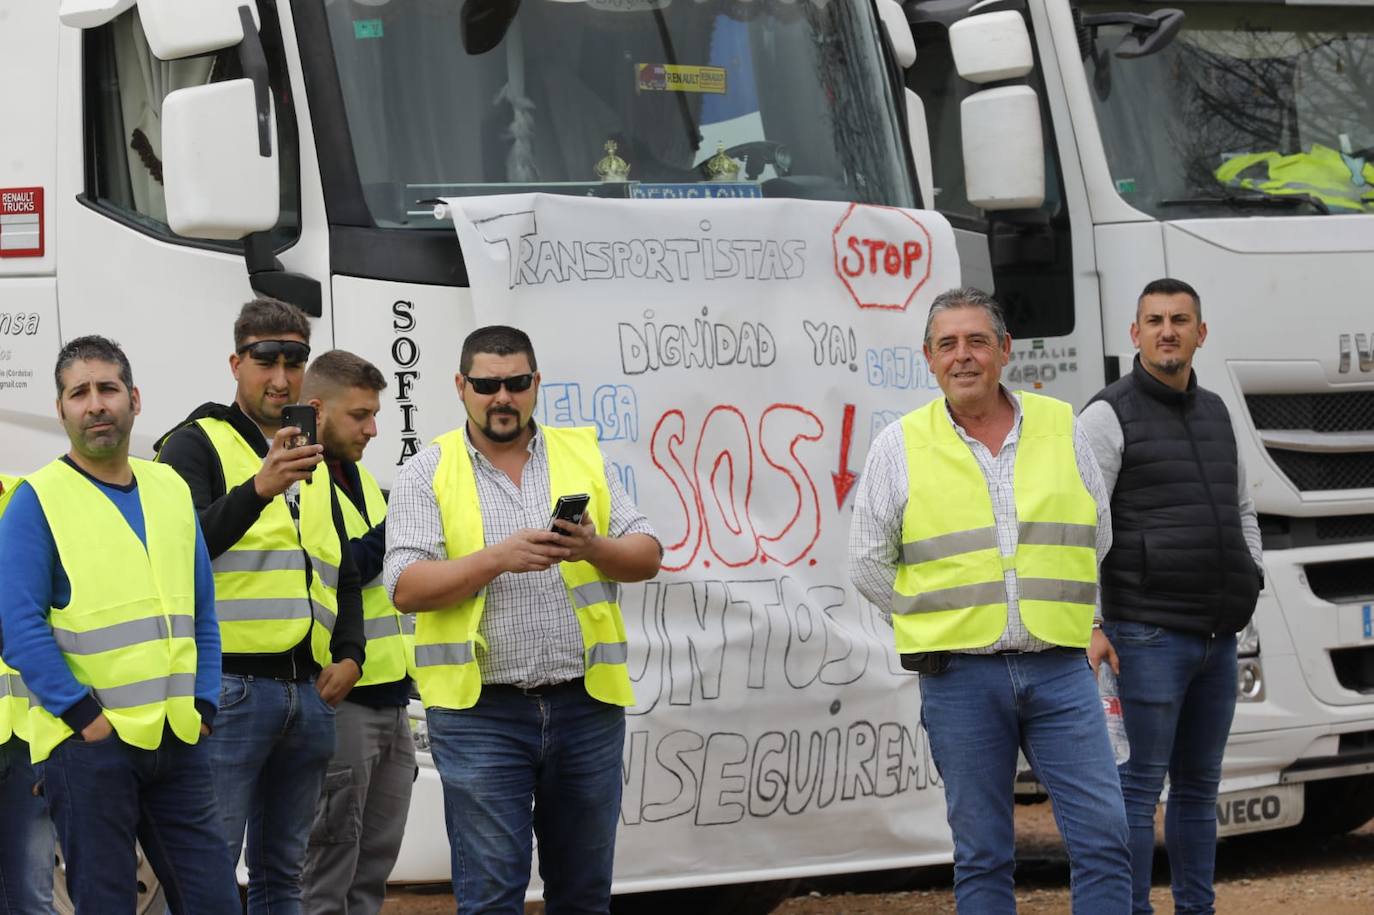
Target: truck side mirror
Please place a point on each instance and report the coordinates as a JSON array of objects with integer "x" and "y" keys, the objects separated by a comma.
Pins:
[
  {"x": 1003, "y": 142},
  {"x": 175, "y": 28},
  {"x": 898, "y": 32},
  {"x": 219, "y": 157},
  {"x": 218, "y": 182}
]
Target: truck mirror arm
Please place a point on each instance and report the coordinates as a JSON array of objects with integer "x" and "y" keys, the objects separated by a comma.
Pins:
[{"x": 267, "y": 277}]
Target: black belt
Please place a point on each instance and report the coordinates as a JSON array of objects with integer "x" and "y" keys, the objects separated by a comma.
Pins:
[
  {"x": 1053, "y": 649},
  {"x": 546, "y": 689}
]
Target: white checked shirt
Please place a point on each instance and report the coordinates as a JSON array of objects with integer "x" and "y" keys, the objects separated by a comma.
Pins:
[
  {"x": 528, "y": 621},
  {"x": 875, "y": 536}
]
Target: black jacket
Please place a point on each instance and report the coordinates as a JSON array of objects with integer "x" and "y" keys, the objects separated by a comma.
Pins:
[
  {"x": 225, "y": 516},
  {"x": 1179, "y": 557}
]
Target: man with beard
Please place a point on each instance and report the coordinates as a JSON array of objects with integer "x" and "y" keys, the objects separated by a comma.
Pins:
[
  {"x": 109, "y": 610},
  {"x": 1182, "y": 578},
  {"x": 362, "y": 812},
  {"x": 288, "y": 596},
  {"x": 520, "y": 651}
]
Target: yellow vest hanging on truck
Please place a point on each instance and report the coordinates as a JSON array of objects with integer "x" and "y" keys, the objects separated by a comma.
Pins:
[
  {"x": 446, "y": 641},
  {"x": 129, "y": 630},
  {"x": 389, "y": 633},
  {"x": 261, "y": 597},
  {"x": 1344, "y": 183},
  {"x": 950, "y": 592},
  {"x": 14, "y": 695}
]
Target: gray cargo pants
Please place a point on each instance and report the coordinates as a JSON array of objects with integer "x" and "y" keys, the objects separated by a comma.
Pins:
[{"x": 362, "y": 811}]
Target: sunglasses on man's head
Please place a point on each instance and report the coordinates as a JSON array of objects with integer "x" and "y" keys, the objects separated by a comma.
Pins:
[
  {"x": 514, "y": 383},
  {"x": 266, "y": 351}
]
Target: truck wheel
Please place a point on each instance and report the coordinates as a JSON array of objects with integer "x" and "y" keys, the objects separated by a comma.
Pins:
[
  {"x": 733, "y": 899},
  {"x": 150, "y": 898},
  {"x": 1337, "y": 805}
]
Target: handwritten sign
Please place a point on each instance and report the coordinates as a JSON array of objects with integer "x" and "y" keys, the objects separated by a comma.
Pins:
[{"x": 732, "y": 358}]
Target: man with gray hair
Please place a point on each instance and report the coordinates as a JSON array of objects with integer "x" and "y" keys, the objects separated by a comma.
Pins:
[{"x": 978, "y": 526}]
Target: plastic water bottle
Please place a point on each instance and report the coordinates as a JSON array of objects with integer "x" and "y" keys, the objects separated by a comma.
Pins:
[{"x": 1111, "y": 708}]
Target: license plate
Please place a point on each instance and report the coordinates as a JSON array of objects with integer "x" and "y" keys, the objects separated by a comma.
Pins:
[{"x": 1274, "y": 807}]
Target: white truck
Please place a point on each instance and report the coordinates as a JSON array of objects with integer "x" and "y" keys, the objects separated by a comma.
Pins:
[
  {"x": 163, "y": 160},
  {"x": 1161, "y": 132}
]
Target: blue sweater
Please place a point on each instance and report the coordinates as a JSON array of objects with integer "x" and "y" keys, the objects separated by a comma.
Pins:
[{"x": 35, "y": 581}]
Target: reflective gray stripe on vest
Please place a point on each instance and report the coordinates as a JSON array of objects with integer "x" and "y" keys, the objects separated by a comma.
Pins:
[
  {"x": 408, "y": 623},
  {"x": 960, "y": 598},
  {"x": 594, "y": 592},
  {"x": 146, "y": 692},
  {"x": 6, "y": 690},
  {"x": 382, "y": 627},
  {"x": 325, "y": 617},
  {"x": 259, "y": 561},
  {"x": 376, "y": 582},
  {"x": 328, "y": 574},
  {"x": 1055, "y": 533},
  {"x": 124, "y": 635},
  {"x": 608, "y": 653},
  {"x": 253, "y": 609},
  {"x": 1058, "y": 590},
  {"x": 945, "y": 545},
  {"x": 443, "y": 653}
]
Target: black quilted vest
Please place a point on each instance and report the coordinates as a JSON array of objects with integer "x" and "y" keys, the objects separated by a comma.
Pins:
[{"x": 1178, "y": 556}]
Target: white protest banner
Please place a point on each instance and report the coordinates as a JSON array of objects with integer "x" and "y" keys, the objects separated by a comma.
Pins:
[{"x": 737, "y": 358}]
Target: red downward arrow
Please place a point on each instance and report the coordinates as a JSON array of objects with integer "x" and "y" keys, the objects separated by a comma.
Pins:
[{"x": 844, "y": 479}]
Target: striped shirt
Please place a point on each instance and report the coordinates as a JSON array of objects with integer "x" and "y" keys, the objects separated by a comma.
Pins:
[
  {"x": 875, "y": 537},
  {"x": 528, "y": 621}
]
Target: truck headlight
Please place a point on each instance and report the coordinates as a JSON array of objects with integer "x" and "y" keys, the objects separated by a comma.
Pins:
[{"x": 1248, "y": 641}]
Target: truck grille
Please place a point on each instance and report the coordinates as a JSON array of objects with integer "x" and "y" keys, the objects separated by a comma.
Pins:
[
  {"x": 1310, "y": 471},
  {"x": 1347, "y": 411},
  {"x": 1345, "y": 581},
  {"x": 1354, "y": 668},
  {"x": 1344, "y": 411}
]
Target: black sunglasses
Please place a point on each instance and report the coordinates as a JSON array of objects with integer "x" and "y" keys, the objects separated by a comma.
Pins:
[
  {"x": 266, "y": 351},
  {"x": 515, "y": 383}
]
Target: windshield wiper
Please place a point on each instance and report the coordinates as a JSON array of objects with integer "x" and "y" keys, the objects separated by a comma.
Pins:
[{"x": 1252, "y": 201}]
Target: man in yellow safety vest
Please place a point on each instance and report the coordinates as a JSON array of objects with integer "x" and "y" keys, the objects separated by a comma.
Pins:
[
  {"x": 978, "y": 525},
  {"x": 362, "y": 812},
  {"x": 26, "y": 841},
  {"x": 520, "y": 650},
  {"x": 109, "y": 610},
  {"x": 288, "y": 597}
]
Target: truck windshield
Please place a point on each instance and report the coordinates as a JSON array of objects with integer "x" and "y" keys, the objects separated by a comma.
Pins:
[
  {"x": 1253, "y": 109},
  {"x": 616, "y": 98}
]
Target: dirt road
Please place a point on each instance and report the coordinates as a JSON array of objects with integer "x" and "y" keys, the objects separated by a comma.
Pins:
[{"x": 1265, "y": 874}]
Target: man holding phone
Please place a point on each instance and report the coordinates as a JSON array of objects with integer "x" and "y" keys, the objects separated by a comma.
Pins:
[
  {"x": 520, "y": 651},
  {"x": 288, "y": 596}
]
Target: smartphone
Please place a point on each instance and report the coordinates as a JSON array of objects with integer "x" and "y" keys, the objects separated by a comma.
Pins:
[
  {"x": 569, "y": 508},
  {"x": 302, "y": 416}
]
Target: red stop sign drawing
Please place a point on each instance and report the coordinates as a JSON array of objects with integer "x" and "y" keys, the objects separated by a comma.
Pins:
[{"x": 882, "y": 255}]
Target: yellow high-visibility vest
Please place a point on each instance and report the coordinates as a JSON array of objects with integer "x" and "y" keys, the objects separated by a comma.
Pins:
[
  {"x": 261, "y": 598},
  {"x": 129, "y": 630},
  {"x": 446, "y": 641},
  {"x": 950, "y": 593},
  {"x": 14, "y": 695},
  {"x": 389, "y": 632},
  {"x": 1343, "y": 183}
]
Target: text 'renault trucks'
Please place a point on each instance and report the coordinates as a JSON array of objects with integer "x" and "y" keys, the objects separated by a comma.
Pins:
[{"x": 163, "y": 161}]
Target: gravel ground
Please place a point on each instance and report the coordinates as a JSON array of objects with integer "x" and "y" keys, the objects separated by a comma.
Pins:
[{"x": 1264, "y": 874}]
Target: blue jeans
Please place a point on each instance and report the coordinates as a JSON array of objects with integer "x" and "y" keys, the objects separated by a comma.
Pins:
[
  {"x": 1178, "y": 695},
  {"x": 106, "y": 796},
  {"x": 544, "y": 761},
  {"x": 26, "y": 838},
  {"x": 272, "y": 742},
  {"x": 978, "y": 713}
]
